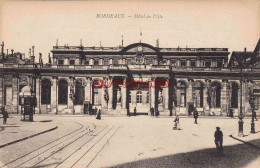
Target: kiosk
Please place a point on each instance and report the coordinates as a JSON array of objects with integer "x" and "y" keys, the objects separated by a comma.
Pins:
[{"x": 27, "y": 104}]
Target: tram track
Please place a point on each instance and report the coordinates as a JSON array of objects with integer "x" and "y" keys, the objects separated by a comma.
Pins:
[
  {"x": 23, "y": 159},
  {"x": 63, "y": 150}
]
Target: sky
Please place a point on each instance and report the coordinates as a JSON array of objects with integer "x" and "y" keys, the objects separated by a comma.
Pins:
[{"x": 199, "y": 24}]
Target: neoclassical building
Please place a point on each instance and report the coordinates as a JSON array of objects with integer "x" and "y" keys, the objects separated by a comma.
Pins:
[{"x": 116, "y": 80}]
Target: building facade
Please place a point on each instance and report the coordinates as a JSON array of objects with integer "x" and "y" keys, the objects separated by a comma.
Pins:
[{"x": 118, "y": 79}]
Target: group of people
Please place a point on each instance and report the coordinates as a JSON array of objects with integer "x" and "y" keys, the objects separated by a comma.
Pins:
[
  {"x": 5, "y": 114},
  {"x": 154, "y": 112}
]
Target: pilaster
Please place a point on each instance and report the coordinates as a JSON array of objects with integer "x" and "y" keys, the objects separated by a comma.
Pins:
[{"x": 54, "y": 95}]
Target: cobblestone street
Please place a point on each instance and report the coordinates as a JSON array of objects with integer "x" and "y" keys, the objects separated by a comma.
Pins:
[{"x": 141, "y": 141}]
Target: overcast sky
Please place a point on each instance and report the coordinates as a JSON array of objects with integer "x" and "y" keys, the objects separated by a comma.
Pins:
[{"x": 223, "y": 24}]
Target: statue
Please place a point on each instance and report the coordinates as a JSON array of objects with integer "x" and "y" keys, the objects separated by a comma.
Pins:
[{"x": 119, "y": 95}]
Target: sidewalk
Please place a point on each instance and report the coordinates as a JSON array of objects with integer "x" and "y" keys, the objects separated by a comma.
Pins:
[
  {"x": 16, "y": 130},
  {"x": 249, "y": 139}
]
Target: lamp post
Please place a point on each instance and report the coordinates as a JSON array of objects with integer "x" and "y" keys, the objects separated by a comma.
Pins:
[{"x": 251, "y": 101}]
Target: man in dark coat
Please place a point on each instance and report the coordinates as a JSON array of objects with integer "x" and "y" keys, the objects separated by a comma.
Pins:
[
  {"x": 195, "y": 115},
  {"x": 219, "y": 139},
  {"x": 5, "y": 115},
  {"x": 152, "y": 111},
  {"x": 135, "y": 111},
  {"x": 99, "y": 115}
]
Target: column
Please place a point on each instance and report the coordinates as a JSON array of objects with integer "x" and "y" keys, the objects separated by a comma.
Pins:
[
  {"x": 205, "y": 97},
  {"x": 110, "y": 94},
  {"x": 189, "y": 91},
  {"x": 71, "y": 86},
  {"x": 54, "y": 95},
  {"x": 152, "y": 93},
  {"x": 38, "y": 95},
  {"x": 15, "y": 94},
  {"x": 1, "y": 90},
  {"x": 166, "y": 104},
  {"x": 123, "y": 98},
  {"x": 224, "y": 100},
  {"x": 104, "y": 103}
]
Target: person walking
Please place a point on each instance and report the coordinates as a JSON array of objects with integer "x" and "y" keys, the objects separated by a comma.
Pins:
[
  {"x": 135, "y": 111},
  {"x": 152, "y": 111},
  {"x": 177, "y": 123},
  {"x": 218, "y": 139},
  {"x": 254, "y": 115},
  {"x": 5, "y": 115},
  {"x": 98, "y": 115},
  {"x": 195, "y": 115}
]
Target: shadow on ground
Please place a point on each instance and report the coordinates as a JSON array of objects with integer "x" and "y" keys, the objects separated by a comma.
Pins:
[{"x": 233, "y": 156}]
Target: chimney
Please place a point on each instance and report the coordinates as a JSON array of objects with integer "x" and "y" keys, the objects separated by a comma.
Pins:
[
  {"x": 40, "y": 58},
  {"x": 7, "y": 52},
  {"x": 2, "y": 45},
  {"x": 30, "y": 53},
  {"x": 32, "y": 50},
  {"x": 245, "y": 49},
  {"x": 49, "y": 56},
  {"x": 157, "y": 43},
  {"x": 12, "y": 52}
]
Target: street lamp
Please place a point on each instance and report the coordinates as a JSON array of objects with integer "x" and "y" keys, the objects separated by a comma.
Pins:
[
  {"x": 240, "y": 116},
  {"x": 252, "y": 104}
]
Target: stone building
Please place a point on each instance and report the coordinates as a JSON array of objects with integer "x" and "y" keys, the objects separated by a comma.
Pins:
[{"x": 117, "y": 79}]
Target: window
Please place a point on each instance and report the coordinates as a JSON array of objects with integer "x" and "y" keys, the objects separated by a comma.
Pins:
[
  {"x": 181, "y": 94},
  {"x": 106, "y": 62},
  {"x": 149, "y": 61},
  {"x": 96, "y": 62},
  {"x": 163, "y": 62},
  {"x": 208, "y": 64},
  {"x": 72, "y": 62},
  {"x": 215, "y": 95},
  {"x": 234, "y": 95},
  {"x": 139, "y": 97},
  {"x": 46, "y": 91},
  {"x": 173, "y": 62},
  {"x": 147, "y": 98},
  {"x": 193, "y": 63},
  {"x": 79, "y": 93},
  {"x": 60, "y": 62},
  {"x": 87, "y": 62},
  {"x": 115, "y": 61},
  {"x": 197, "y": 93},
  {"x": 63, "y": 92},
  {"x": 130, "y": 98},
  {"x": 219, "y": 64},
  {"x": 96, "y": 96},
  {"x": 183, "y": 63}
]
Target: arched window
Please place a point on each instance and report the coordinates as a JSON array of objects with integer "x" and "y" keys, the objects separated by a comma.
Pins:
[
  {"x": 79, "y": 93},
  {"x": 181, "y": 94},
  {"x": 63, "y": 92},
  {"x": 197, "y": 93},
  {"x": 234, "y": 95},
  {"x": 139, "y": 97},
  {"x": 46, "y": 91},
  {"x": 215, "y": 95}
]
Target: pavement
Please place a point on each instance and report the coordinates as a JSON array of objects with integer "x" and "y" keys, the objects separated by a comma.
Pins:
[{"x": 136, "y": 141}]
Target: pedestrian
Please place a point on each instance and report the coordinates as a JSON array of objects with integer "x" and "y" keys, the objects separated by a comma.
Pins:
[
  {"x": 177, "y": 123},
  {"x": 135, "y": 111},
  {"x": 254, "y": 115},
  {"x": 219, "y": 139},
  {"x": 152, "y": 111},
  {"x": 5, "y": 115},
  {"x": 195, "y": 115},
  {"x": 98, "y": 115},
  {"x": 95, "y": 111}
]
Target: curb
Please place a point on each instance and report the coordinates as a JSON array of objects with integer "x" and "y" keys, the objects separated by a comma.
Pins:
[
  {"x": 247, "y": 143},
  {"x": 22, "y": 139}
]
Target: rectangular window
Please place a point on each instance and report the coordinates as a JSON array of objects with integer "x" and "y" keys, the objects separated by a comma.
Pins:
[
  {"x": 208, "y": 64},
  {"x": 183, "y": 63},
  {"x": 72, "y": 62},
  {"x": 96, "y": 62},
  {"x": 115, "y": 61},
  {"x": 149, "y": 61},
  {"x": 96, "y": 98},
  {"x": 173, "y": 62},
  {"x": 106, "y": 62},
  {"x": 87, "y": 62},
  {"x": 192, "y": 63},
  {"x": 60, "y": 62},
  {"x": 219, "y": 64}
]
